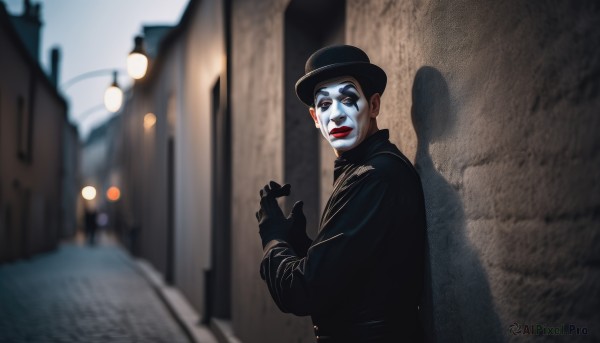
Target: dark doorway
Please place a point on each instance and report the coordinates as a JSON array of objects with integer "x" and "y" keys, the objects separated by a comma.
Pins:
[
  {"x": 170, "y": 270},
  {"x": 218, "y": 284},
  {"x": 306, "y": 30}
]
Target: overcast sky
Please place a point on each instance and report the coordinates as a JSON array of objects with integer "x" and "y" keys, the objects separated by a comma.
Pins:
[{"x": 92, "y": 35}]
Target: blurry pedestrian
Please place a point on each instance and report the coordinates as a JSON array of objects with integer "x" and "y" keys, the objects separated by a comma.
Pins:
[{"x": 90, "y": 225}]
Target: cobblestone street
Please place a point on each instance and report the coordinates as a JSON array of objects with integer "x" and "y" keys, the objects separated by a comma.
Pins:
[{"x": 82, "y": 294}]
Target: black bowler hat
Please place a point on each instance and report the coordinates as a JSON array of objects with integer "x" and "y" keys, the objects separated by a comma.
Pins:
[{"x": 335, "y": 61}]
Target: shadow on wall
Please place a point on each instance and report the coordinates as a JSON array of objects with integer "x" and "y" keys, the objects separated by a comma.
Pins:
[{"x": 457, "y": 304}]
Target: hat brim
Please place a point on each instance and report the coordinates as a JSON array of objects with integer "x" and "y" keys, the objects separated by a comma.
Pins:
[{"x": 362, "y": 71}]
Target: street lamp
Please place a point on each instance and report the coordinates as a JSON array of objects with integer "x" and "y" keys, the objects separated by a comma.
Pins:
[
  {"x": 113, "y": 96},
  {"x": 137, "y": 65},
  {"x": 137, "y": 62}
]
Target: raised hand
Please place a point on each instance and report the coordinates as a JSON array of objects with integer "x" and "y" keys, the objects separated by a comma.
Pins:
[
  {"x": 269, "y": 208},
  {"x": 272, "y": 223}
]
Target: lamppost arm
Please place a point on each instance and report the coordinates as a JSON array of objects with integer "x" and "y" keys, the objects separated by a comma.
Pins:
[{"x": 89, "y": 75}]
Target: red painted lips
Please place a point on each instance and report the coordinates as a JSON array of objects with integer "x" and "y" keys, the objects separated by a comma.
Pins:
[{"x": 340, "y": 132}]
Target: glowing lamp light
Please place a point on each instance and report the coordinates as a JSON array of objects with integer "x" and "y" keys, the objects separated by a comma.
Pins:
[
  {"x": 88, "y": 193},
  {"x": 113, "y": 97},
  {"x": 137, "y": 62},
  {"x": 136, "y": 65},
  {"x": 113, "y": 193},
  {"x": 149, "y": 120}
]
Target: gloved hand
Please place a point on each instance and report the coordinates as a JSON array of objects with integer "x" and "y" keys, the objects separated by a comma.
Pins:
[
  {"x": 298, "y": 237},
  {"x": 271, "y": 221}
]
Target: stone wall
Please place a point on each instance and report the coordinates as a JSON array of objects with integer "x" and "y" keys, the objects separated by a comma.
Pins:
[{"x": 498, "y": 104}]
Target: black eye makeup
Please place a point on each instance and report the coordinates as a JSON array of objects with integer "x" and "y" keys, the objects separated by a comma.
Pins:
[
  {"x": 351, "y": 98},
  {"x": 324, "y": 105}
]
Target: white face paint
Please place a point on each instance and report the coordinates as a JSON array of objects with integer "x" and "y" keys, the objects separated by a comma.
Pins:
[{"x": 342, "y": 112}]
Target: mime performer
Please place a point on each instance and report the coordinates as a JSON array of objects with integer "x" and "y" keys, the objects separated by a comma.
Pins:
[{"x": 361, "y": 278}]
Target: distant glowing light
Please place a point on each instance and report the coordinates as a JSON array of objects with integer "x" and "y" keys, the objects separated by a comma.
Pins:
[
  {"x": 88, "y": 193},
  {"x": 149, "y": 120},
  {"x": 113, "y": 98},
  {"x": 137, "y": 64},
  {"x": 113, "y": 193}
]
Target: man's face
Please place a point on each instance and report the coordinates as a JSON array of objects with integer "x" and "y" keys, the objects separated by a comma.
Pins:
[{"x": 341, "y": 112}]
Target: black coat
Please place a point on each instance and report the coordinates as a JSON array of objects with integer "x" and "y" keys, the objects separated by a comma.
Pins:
[{"x": 362, "y": 277}]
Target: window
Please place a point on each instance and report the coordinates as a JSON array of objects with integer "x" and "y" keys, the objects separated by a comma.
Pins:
[{"x": 22, "y": 130}]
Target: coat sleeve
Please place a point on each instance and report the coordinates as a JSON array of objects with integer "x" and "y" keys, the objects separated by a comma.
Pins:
[{"x": 353, "y": 228}]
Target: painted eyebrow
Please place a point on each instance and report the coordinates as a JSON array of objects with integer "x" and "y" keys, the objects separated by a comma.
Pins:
[
  {"x": 344, "y": 90},
  {"x": 321, "y": 91}
]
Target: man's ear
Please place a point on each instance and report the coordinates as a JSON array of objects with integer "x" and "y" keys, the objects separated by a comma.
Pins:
[
  {"x": 374, "y": 104},
  {"x": 313, "y": 114}
]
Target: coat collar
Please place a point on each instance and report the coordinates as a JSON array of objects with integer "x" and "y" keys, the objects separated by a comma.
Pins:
[{"x": 364, "y": 149}]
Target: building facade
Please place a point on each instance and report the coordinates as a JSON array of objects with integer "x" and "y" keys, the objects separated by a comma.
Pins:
[
  {"x": 496, "y": 105},
  {"x": 33, "y": 128}
]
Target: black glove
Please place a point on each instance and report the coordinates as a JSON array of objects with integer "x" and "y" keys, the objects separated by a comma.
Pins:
[
  {"x": 298, "y": 237},
  {"x": 271, "y": 221}
]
